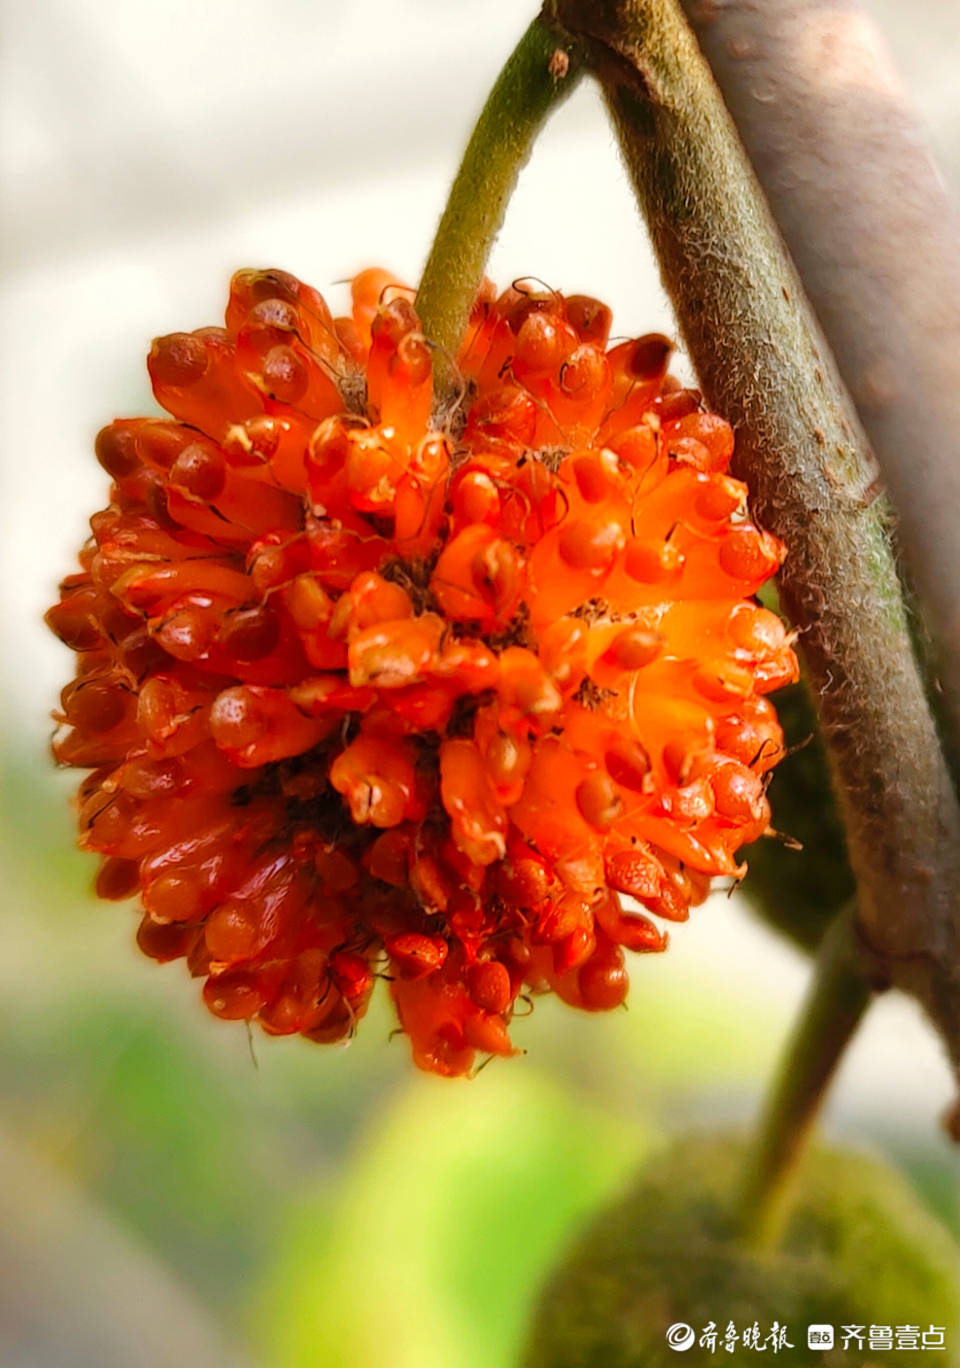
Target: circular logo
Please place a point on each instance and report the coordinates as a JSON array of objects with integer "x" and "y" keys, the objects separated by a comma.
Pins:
[{"x": 681, "y": 1336}]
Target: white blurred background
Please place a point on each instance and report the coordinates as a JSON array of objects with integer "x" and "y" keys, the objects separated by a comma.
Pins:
[{"x": 148, "y": 150}]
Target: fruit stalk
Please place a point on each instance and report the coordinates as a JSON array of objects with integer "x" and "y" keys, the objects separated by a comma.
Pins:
[
  {"x": 838, "y": 998},
  {"x": 537, "y": 77},
  {"x": 762, "y": 361}
]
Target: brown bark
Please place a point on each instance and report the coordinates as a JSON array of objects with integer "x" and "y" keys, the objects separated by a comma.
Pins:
[
  {"x": 762, "y": 361},
  {"x": 844, "y": 163}
]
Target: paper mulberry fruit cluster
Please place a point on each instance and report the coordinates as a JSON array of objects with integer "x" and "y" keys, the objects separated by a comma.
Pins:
[{"x": 453, "y": 694}]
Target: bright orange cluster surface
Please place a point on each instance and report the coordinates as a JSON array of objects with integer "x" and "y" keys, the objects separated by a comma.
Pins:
[{"x": 376, "y": 687}]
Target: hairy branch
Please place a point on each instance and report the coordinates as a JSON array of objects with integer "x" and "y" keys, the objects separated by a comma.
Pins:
[
  {"x": 844, "y": 163},
  {"x": 763, "y": 362}
]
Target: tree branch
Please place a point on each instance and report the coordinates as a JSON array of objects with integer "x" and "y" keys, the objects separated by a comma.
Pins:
[
  {"x": 845, "y": 166},
  {"x": 763, "y": 363}
]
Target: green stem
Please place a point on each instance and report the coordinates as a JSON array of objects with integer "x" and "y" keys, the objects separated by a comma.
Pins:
[
  {"x": 837, "y": 1001},
  {"x": 539, "y": 74}
]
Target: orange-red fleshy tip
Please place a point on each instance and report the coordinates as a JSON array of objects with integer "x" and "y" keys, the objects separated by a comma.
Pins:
[{"x": 461, "y": 703}]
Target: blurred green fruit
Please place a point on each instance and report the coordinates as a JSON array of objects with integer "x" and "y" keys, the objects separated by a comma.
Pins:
[{"x": 859, "y": 1250}]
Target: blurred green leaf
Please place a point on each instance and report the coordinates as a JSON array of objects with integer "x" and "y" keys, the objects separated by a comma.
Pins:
[
  {"x": 431, "y": 1248},
  {"x": 799, "y": 891}
]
